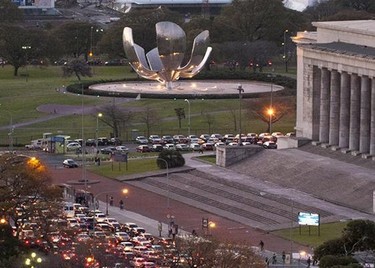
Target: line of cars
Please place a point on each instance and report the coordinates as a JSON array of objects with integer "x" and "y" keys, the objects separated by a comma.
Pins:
[
  {"x": 129, "y": 243},
  {"x": 206, "y": 142}
]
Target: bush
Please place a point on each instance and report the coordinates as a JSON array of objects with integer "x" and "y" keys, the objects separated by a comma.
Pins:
[
  {"x": 173, "y": 158},
  {"x": 330, "y": 261}
]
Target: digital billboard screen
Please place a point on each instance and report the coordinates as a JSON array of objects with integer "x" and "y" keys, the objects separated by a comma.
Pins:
[{"x": 307, "y": 218}]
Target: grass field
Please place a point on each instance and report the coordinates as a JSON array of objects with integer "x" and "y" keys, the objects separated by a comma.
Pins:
[
  {"x": 20, "y": 97},
  {"x": 311, "y": 237}
]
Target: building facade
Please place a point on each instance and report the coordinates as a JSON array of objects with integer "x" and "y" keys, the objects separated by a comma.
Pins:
[{"x": 336, "y": 85}]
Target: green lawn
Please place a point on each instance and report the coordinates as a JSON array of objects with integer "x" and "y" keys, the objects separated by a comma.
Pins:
[
  {"x": 134, "y": 166},
  {"x": 328, "y": 231},
  {"x": 207, "y": 116}
]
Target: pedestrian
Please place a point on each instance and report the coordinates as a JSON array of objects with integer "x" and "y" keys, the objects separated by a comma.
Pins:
[
  {"x": 261, "y": 244},
  {"x": 274, "y": 258},
  {"x": 267, "y": 260},
  {"x": 283, "y": 257},
  {"x": 194, "y": 233},
  {"x": 111, "y": 201},
  {"x": 201, "y": 149},
  {"x": 121, "y": 204},
  {"x": 308, "y": 262}
]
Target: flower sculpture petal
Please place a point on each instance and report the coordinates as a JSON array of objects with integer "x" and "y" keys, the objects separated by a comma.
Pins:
[{"x": 163, "y": 63}]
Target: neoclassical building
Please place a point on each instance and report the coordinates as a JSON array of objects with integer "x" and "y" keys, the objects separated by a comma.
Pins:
[{"x": 336, "y": 86}]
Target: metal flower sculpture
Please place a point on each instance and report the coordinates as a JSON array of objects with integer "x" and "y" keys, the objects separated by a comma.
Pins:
[{"x": 163, "y": 63}]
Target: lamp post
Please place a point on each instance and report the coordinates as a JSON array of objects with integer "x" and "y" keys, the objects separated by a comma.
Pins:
[
  {"x": 284, "y": 55},
  {"x": 125, "y": 191},
  {"x": 189, "y": 117},
  {"x": 270, "y": 112},
  {"x": 166, "y": 164},
  {"x": 97, "y": 130},
  {"x": 33, "y": 261},
  {"x": 240, "y": 91}
]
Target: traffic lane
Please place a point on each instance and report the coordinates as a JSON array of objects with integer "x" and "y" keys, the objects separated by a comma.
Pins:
[{"x": 154, "y": 206}]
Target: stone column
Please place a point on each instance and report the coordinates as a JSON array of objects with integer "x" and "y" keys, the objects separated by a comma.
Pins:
[
  {"x": 317, "y": 78},
  {"x": 372, "y": 131},
  {"x": 344, "y": 111},
  {"x": 355, "y": 94},
  {"x": 324, "y": 106},
  {"x": 364, "y": 136},
  {"x": 334, "y": 111}
]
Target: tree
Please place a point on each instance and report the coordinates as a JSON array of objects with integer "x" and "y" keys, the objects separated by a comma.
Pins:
[
  {"x": 261, "y": 109},
  {"x": 150, "y": 118},
  {"x": 356, "y": 237},
  {"x": 252, "y": 20},
  {"x": 9, "y": 245},
  {"x": 209, "y": 119},
  {"x": 17, "y": 45},
  {"x": 77, "y": 38},
  {"x": 180, "y": 112},
  {"x": 9, "y": 12},
  {"x": 78, "y": 68},
  {"x": 203, "y": 252},
  {"x": 116, "y": 118},
  {"x": 26, "y": 191},
  {"x": 255, "y": 55}
]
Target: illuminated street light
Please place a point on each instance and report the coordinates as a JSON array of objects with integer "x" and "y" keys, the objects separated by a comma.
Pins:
[
  {"x": 97, "y": 130},
  {"x": 33, "y": 261},
  {"x": 270, "y": 112},
  {"x": 125, "y": 191}
]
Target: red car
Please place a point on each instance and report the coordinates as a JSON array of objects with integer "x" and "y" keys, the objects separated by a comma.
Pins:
[{"x": 143, "y": 149}]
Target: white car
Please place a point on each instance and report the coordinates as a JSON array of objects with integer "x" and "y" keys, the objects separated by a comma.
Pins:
[
  {"x": 122, "y": 148},
  {"x": 195, "y": 147},
  {"x": 182, "y": 147},
  {"x": 170, "y": 146},
  {"x": 73, "y": 146}
]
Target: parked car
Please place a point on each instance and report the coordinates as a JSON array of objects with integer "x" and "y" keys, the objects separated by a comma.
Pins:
[
  {"x": 73, "y": 146},
  {"x": 154, "y": 139},
  {"x": 167, "y": 139},
  {"x": 141, "y": 140},
  {"x": 179, "y": 139},
  {"x": 217, "y": 136},
  {"x": 102, "y": 141},
  {"x": 182, "y": 147},
  {"x": 143, "y": 149},
  {"x": 195, "y": 147},
  {"x": 115, "y": 141},
  {"x": 108, "y": 150},
  {"x": 170, "y": 146},
  {"x": 122, "y": 148},
  {"x": 204, "y": 137},
  {"x": 269, "y": 145},
  {"x": 70, "y": 163},
  {"x": 277, "y": 134},
  {"x": 208, "y": 146},
  {"x": 157, "y": 148}
]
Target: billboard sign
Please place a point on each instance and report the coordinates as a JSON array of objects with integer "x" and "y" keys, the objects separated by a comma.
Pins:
[{"x": 307, "y": 218}]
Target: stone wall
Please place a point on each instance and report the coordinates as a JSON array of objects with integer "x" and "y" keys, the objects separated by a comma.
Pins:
[{"x": 229, "y": 155}]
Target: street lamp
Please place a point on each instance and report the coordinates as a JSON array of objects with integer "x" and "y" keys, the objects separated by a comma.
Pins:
[
  {"x": 189, "y": 118},
  {"x": 284, "y": 55},
  {"x": 270, "y": 112},
  {"x": 33, "y": 261},
  {"x": 97, "y": 130},
  {"x": 211, "y": 226},
  {"x": 125, "y": 191},
  {"x": 166, "y": 164},
  {"x": 240, "y": 91}
]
